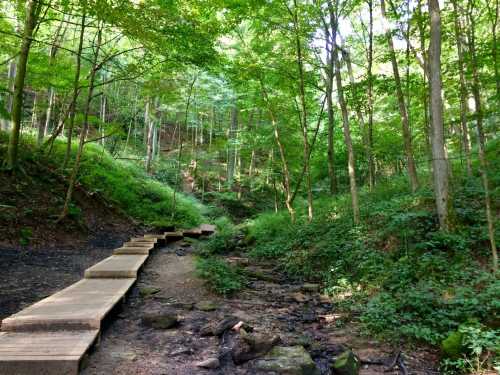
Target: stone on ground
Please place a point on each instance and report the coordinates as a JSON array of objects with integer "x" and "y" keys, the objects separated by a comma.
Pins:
[
  {"x": 251, "y": 346},
  {"x": 346, "y": 364},
  {"x": 161, "y": 320},
  {"x": 210, "y": 363},
  {"x": 225, "y": 325},
  {"x": 293, "y": 360},
  {"x": 206, "y": 306}
]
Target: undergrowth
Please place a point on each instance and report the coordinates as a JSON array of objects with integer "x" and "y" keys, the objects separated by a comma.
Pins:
[
  {"x": 121, "y": 183},
  {"x": 404, "y": 278},
  {"x": 220, "y": 276}
]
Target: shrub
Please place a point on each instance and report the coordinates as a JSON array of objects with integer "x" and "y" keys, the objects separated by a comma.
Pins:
[{"x": 221, "y": 277}]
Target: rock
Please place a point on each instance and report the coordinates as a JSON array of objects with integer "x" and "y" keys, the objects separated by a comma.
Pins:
[
  {"x": 310, "y": 288},
  {"x": 161, "y": 320},
  {"x": 180, "y": 252},
  {"x": 182, "y": 351},
  {"x": 249, "y": 346},
  {"x": 207, "y": 330},
  {"x": 299, "y": 297},
  {"x": 225, "y": 325},
  {"x": 206, "y": 306},
  {"x": 293, "y": 360},
  {"x": 147, "y": 291},
  {"x": 210, "y": 363},
  {"x": 453, "y": 346},
  {"x": 346, "y": 364}
]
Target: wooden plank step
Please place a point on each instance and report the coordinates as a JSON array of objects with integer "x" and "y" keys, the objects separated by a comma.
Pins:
[
  {"x": 207, "y": 229},
  {"x": 126, "y": 250},
  {"x": 44, "y": 353},
  {"x": 117, "y": 266},
  {"x": 142, "y": 240},
  {"x": 173, "y": 236},
  {"x": 160, "y": 238},
  {"x": 147, "y": 245},
  {"x": 82, "y": 305},
  {"x": 193, "y": 233}
]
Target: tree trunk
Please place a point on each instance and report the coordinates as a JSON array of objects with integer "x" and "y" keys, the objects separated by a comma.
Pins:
[
  {"x": 11, "y": 76},
  {"x": 231, "y": 158},
  {"x": 371, "y": 164},
  {"x": 403, "y": 110},
  {"x": 463, "y": 91},
  {"x": 439, "y": 161},
  {"x": 32, "y": 10},
  {"x": 329, "y": 77},
  {"x": 476, "y": 92},
  {"x": 351, "y": 162},
  {"x": 85, "y": 127},
  {"x": 76, "y": 91}
]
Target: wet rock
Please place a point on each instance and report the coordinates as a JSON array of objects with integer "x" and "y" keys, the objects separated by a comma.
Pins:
[
  {"x": 147, "y": 291},
  {"x": 251, "y": 346},
  {"x": 161, "y": 320},
  {"x": 180, "y": 252},
  {"x": 346, "y": 364},
  {"x": 310, "y": 288},
  {"x": 294, "y": 360},
  {"x": 225, "y": 325},
  {"x": 210, "y": 363},
  {"x": 206, "y": 306}
]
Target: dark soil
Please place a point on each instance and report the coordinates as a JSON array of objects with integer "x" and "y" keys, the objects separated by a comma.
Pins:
[{"x": 269, "y": 307}]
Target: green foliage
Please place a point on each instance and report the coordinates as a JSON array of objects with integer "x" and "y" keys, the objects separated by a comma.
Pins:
[
  {"x": 397, "y": 271},
  {"x": 25, "y": 235},
  {"x": 221, "y": 277},
  {"x": 224, "y": 240}
]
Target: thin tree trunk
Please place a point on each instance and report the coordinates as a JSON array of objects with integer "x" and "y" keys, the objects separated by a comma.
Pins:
[
  {"x": 463, "y": 91},
  {"x": 281, "y": 148},
  {"x": 76, "y": 90},
  {"x": 32, "y": 11},
  {"x": 34, "y": 112},
  {"x": 403, "y": 110},
  {"x": 439, "y": 161},
  {"x": 83, "y": 134},
  {"x": 480, "y": 135},
  {"x": 231, "y": 159},
  {"x": 371, "y": 164},
  {"x": 351, "y": 161}
]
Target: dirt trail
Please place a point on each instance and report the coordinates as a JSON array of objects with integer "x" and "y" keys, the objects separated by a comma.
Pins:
[{"x": 271, "y": 305}]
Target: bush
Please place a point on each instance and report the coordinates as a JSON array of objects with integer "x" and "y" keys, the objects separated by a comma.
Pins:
[
  {"x": 224, "y": 240},
  {"x": 221, "y": 277}
]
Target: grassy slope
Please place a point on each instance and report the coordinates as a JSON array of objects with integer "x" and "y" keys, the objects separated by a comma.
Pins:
[
  {"x": 123, "y": 184},
  {"x": 404, "y": 277}
]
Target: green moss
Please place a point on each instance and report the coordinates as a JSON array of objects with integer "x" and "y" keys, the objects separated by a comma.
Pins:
[{"x": 453, "y": 346}]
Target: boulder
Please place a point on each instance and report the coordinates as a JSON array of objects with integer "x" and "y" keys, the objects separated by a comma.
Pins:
[
  {"x": 310, "y": 288},
  {"x": 346, "y": 364},
  {"x": 293, "y": 360},
  {"x": 161, "y": 320},
  {"x": 251, "y": 346},
  {"x": 299, "y": 297}
]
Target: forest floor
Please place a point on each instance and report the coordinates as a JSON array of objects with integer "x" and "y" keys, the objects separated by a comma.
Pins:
[{"x": 274, "y": 310}]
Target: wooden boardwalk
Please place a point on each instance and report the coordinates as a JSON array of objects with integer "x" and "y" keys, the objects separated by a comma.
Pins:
[{"x": 51, "y": 336}]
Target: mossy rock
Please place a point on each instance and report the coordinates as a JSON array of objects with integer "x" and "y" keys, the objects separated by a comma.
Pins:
[
  {"x": 346, "y": 364},
  {"x": 453, "y": 345}
]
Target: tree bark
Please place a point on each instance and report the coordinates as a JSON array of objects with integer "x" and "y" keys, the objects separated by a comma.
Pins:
[
  {"x": 476, "y": 92},
  {"x": 32, "y": 11},
  {"x": 371, "y": 164},
  {"x": 85, "y": 127},
  {"x": 403, "y": 110},
  {"x": 439, "y": 160},
  {"x": 76, "y": 90},
  {"x": 463, "y": 91},
  {"x": 231, "y": 158},
  {"x": 351, "y": 161}
]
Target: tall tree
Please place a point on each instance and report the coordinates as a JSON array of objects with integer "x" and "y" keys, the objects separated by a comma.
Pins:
[
  {"x": 403, "y": 109},
  {"x": 33, "y": 8},
  {"x": 439, "y": 159}
]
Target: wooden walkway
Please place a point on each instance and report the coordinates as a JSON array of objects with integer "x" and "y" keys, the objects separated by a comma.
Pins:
[{"x": 51, "y": 336}]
